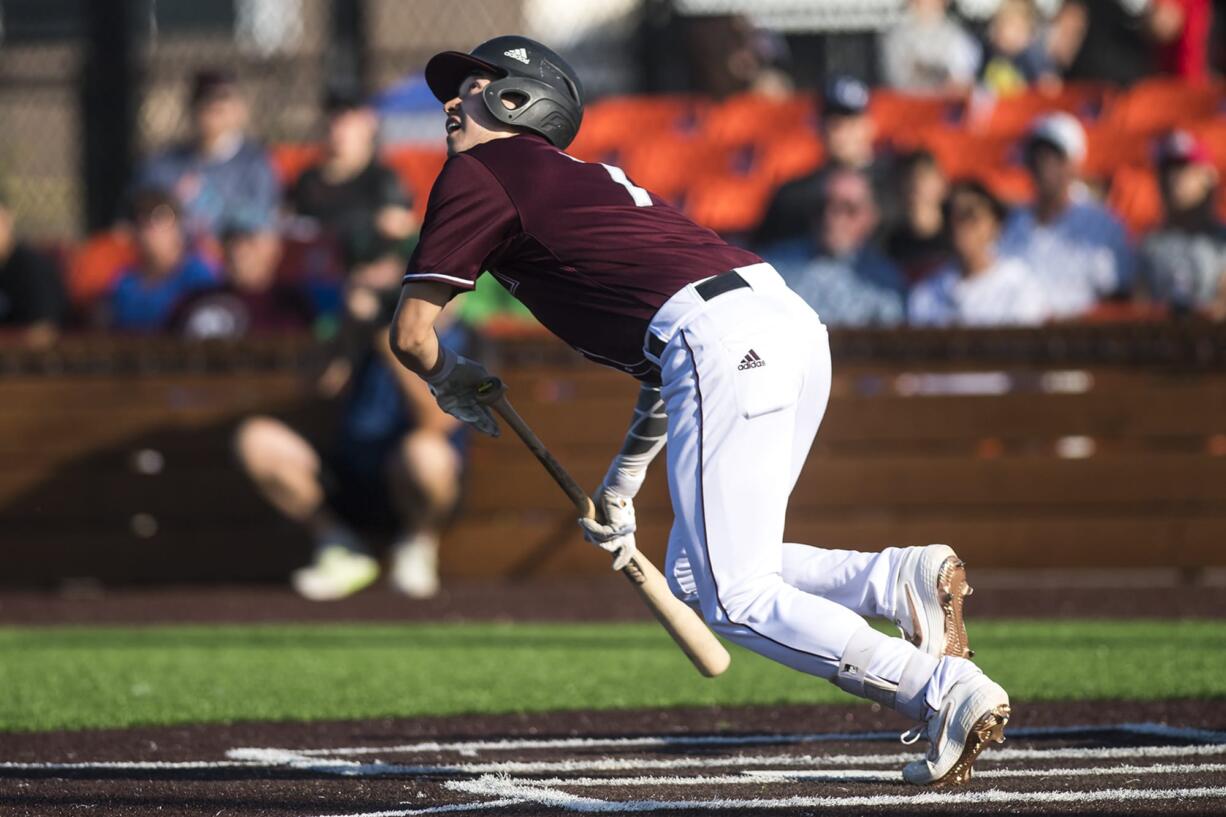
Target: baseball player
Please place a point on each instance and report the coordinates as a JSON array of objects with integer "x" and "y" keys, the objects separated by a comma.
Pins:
[{"x": 735, "y": 374}]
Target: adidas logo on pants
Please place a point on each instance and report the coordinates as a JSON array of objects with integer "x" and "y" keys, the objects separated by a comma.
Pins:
[{"x": 750, "y": 361}]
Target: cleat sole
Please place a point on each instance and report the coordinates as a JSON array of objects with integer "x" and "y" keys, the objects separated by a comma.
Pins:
[
  {"x": 952, "y": 589},
  {"x": 988, "y": 729}
]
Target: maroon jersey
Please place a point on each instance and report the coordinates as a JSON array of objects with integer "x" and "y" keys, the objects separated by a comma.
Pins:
[{"x": 589, "y": 253}]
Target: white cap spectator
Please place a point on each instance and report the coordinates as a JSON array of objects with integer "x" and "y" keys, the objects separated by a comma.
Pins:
[{"x": 1063, "y": 131}]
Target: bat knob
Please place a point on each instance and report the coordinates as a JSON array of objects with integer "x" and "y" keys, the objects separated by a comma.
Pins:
[{"x": 490, "y": 390}]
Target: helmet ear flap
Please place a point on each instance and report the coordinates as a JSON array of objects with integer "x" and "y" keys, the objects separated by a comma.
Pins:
[{"x": 539, "y": 108}]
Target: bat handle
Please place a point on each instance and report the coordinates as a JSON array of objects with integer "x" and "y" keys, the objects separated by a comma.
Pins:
[{"x": 493, "y": 393}]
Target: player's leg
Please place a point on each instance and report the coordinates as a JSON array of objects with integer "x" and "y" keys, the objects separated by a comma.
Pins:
[
  {"x": 920, "y": 589},
  {"x": 730, "y": 452},
  {"x": 286, "y": 471},
  {"x": 424, "y": 474},
  {"x": 730, "y": 446}
]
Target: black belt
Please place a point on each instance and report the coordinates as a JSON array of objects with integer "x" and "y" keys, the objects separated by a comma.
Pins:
[{"x": 708, "y": 289}]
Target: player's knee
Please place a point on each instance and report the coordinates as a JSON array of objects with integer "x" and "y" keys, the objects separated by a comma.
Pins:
[
  {"x": 254, "y": 442},
  {"x": 749, "y": 600},
  {"x": 428, "y": 457}
]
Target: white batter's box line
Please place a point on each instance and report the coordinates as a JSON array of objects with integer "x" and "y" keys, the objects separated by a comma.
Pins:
[
  {"x": 280, "y": 758},
  {"x": 473, "y": 747},
  {"x": 509, "y": 790},
  {"x": 623, "y": 764},
  {"x": 758, "y": 776}
]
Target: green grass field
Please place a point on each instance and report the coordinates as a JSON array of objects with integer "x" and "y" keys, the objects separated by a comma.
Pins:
[{"x": 81, "y": 677}]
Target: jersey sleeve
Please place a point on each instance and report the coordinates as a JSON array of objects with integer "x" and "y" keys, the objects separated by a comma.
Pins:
[{"x": 468, "y": 216}]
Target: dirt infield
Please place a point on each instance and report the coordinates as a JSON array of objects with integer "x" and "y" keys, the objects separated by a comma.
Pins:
[
  {"x": 1069, "y": 759},
  {"x": 1024, "y": 594}
]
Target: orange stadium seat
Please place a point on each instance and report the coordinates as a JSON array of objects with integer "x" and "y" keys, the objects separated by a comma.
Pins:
[
  {"x": 1011, "y": 184},
  {"x": 752, "y": 117},
  {"x": 1162, "y": 103},
  {"x": 1108, "y": 149},
  {"x": 610, "y": 124},
  {"x": 961, "y": 153},
  {"x": 667, "y": 165},
  {"x": 897, "y": 115},
  {"x": 95, "y": 264},
  {"x": 289, "y": 160},
  {"x": 1012, "y": 116},
  {"x": 728, "y": 204},
  {"x": 417, "y": 169},
  {"x": 1135, "y": 197},
  {"x": 788, "y": 157}
]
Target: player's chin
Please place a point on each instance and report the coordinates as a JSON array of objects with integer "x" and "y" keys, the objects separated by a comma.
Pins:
[{"x": 454, "y": 143}]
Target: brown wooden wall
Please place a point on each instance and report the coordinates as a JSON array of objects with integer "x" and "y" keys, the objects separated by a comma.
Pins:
[{"x": 115, "y": 461}]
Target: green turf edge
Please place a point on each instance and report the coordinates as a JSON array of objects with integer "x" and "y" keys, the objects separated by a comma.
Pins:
[{"x": 103, "y": 677}]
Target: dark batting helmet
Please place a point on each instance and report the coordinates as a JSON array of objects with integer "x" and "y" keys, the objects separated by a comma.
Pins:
[{"x": 546, "y": 89}]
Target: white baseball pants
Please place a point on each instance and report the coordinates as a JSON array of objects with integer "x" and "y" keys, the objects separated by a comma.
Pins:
[{"x": 746, "y": 379}]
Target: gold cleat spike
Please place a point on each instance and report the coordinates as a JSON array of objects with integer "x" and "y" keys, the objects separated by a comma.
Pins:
[{"x": 989, "y": 729}]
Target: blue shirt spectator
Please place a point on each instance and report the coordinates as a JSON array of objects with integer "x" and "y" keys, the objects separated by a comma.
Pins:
[
  {"x": 864, "y": 289},
  {"x": 145, "y": 295},
  {"x": 219, "y": 173},
  {"x": 846, "y": 280},
  {"x": 1077, "y": 249}
]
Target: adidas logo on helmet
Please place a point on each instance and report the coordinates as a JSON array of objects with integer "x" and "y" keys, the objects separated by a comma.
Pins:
[
  {"x": 520, "y": 54},
  {"x": 751, "y": 361}
]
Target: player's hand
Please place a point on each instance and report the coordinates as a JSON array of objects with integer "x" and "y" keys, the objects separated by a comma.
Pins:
[
  {"x": 613, "y": 528},
  {"x": 455, "y": 389}
]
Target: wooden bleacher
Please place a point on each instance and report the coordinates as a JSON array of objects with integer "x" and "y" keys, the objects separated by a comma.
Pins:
[{"x": 1062, "y": 447}]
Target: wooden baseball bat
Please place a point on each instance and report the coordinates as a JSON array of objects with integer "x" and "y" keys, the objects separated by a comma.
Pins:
[{"x": 690, "y": 632}]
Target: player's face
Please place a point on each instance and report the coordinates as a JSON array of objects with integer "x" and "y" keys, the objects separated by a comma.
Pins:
[{"x": 468, "y": 120}]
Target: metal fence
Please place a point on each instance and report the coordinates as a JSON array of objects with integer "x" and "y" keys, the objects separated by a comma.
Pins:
[{"x": 88, "y": 87}]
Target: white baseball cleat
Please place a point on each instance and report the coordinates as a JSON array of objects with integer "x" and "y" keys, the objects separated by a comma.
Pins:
[
  {"x": 973, "y": 713},
  {"x": 415, "y": 567},
  {"x": 928, "y": 596},
  {"x": 336, "y": 573}
]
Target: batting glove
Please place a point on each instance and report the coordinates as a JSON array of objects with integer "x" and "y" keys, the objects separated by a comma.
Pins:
[
  {"x": 613, "y": 528},
  {"x": 454, "y": 386}
]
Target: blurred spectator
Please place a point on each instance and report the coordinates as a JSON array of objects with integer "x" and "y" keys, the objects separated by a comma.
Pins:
[
  {"x": 844, "y": 277},
  {"x": 1183, "y": 262},
  {"x": 1181, "y": 29},
  {"x": 32, "y": 298},
  {"x": 729, "y": 55},
  {"x": 978, "y": 288},
  {"x": 165, "y": 271},
  {"x": 1017, "y": 57},
  {"x": 350, "y": 194},
  {"x": 1102, "y": 40},
  {"x": 249, "y": 300},
  {"x": 219, "y": 173},
  {"x": 928, "y": 51},
  {"x": 918, "y": 242},
  {"x": 394, "y": 467},
  {"x": 1076, "y": 248},
  {"x": 847, "y": 133}
]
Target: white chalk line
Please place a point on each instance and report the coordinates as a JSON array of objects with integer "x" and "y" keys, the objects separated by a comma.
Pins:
[
  {"x": 473, "y": 747},
  {"x": 280, "y": 758},
  {"x": 508, "y": 789},
  {"x": 757, "y": 777},
  {"x": 481, "y": 806}
]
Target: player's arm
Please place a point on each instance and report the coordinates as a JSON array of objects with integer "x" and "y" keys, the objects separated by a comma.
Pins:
[
  {"x": 468, "y": 217},
  {"x": 452, "y": 378},
  {"x": 614, "y": 527}
]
